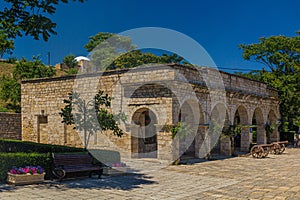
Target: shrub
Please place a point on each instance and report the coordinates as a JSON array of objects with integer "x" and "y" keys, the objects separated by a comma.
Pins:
[
  {"x": 29, "y": 147},
  {"x": 16, "y": 153},
  {"x": 10, "y": 160}
]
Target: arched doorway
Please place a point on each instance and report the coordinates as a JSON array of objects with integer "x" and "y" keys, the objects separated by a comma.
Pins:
[
  {"x": 258, "y": 127},
  {"x": 219, "y": 122},
  {"x": 144, "y": 140},
  {"x": 241, "y": 140},
  {"x": 273, "y": 136},
  {"x": 190, "y": 116}
]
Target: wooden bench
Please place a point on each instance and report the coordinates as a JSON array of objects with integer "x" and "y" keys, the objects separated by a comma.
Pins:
[{"x": 73, "y": 163}]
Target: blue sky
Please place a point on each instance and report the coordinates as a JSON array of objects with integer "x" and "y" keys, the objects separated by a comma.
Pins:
[{"x": 218, "y": 25}]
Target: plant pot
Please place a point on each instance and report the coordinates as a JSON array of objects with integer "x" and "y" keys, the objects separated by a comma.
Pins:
[{"x": 19, "y": 179}]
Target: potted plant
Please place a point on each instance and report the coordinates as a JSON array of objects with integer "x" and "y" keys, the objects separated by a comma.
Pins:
[{"x": 25, "y": 175}]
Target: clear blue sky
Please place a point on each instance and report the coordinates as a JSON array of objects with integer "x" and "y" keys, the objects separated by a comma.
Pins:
[{"x": 218, "y": 25}]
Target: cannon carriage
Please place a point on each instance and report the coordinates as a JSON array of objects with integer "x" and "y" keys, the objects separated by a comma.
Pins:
[{"x": 262, "y": 150}]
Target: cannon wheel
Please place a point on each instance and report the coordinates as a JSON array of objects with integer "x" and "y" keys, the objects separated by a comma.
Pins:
[
  {"x": 266, "y": 152},
  {"x": 282, "y": 148},
  {"x": 276, "y": 148},
  {"x": 257, "y": 151}
]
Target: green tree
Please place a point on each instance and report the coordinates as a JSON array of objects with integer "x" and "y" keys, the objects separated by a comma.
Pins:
[
  {"x": 106, "y": 47},
  {"x": 10, "y": 92},
  {"x": 100, "y": 37},
  {"x": 111, "y": 51},
  {"x": 32, "y": 69},
  {"x": 6, "y": 45},
  {"x": 28, "y": 17},
  {"x": 136, "y": 58},
  {"x": 70, "y": 61},
  {"x": 279, "y": 53},
  {"x": 10, "y": 87},
  {"x": 81, "y": 113},
  {"x": 281, "y": 56}
]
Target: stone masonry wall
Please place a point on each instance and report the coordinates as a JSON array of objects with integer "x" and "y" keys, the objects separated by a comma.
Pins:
[
  {"x": 157, "y": 88},
  {"x": 10, "y": 126}
]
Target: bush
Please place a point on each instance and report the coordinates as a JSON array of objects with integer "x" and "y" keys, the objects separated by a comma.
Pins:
[
  {"x": 72, "y": 71},
  {"x": 9, "y": 160},
  {"x": 16, "y": 153},
  {"x": 29, "y": 147}
]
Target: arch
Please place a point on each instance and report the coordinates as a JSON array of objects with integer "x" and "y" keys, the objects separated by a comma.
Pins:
[
  {"x": 190, "y": 113},
  {"x": 272, "y": 121},
  {"x": 219, "y": 122},
  {"x": 241, "y": 140},
  {"x": 240, "y": 116},
  {"x": 148, "y": 95},
  {"x": 258, "y": 128},
  {"x": 144, "y": 136}
]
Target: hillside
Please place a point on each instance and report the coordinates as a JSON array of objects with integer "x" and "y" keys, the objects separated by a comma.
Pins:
[{"x": 6, "y": 69}]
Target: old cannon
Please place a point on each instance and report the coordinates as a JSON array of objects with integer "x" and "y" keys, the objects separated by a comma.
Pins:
[
  {"x": 262, "y": 150},
  {"x": 279, "y": 147}
]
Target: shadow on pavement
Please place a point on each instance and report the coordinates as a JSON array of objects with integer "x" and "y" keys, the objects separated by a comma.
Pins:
[{"x": 124, "y": 182}]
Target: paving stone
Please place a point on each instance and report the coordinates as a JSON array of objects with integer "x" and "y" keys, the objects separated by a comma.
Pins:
[{"x": 234, "y": 178}]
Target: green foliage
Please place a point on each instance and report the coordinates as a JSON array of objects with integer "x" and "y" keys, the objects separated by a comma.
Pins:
[
  {"x": 10, "y": 91},
  {"x": 83, "y": 113},
  {"x": 106, "y": 47},
  {"x": 70, "y": 61},
  {"x": 6, "y": 45},
  {"x": 13, "y": 146},
  {"x": 232, "y": 130},
  {"x": 108, "y": 121},
  {"x": 137, "y": 58},
  {"x": 4, "y": 109},
  {"x": 72, "y": 71},
  {"x": 27, "y": 17},
  {"x": 254, "y": 136},
  {"x": 32, "y": 69},
  {"x": 9, "y": 160},
  {"x": 10, "y": 87},
  {"x": 21, "y": 153},
  {"x": 281, "y": 55},
  {"x": 99, "y": 38},
  {"x": 180, "y": 130},
  {"x": 111, "y": 51},
  {"x": 12, "y": 60},
  {"x": 269, "y": 127}
]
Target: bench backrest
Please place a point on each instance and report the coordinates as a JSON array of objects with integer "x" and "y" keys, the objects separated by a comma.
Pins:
[{"x": 72, "y": 159}]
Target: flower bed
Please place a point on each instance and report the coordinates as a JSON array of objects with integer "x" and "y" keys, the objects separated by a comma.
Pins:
[{"x": 25, "y": 175}]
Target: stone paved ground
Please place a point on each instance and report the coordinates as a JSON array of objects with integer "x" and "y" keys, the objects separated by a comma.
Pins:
[{"x": 276, "y": 177}]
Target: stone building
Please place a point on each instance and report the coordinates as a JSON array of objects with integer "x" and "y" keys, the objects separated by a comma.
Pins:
[
  {"x": 10, "y": 126},
  {"x": 155, "y": 98}
]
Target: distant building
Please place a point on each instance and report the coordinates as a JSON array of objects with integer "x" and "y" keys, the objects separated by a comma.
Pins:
[{"x": 83, "y": 63}]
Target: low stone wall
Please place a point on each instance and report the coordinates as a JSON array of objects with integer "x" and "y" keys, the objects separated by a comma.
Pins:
[{"x": 10, "y": 126}]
